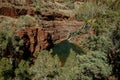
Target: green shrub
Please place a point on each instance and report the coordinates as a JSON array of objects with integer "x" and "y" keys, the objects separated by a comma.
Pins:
[
  {"x": 21, "y": 73},
  {"x": 6, "y": 69},
  {"x": 10, "y": 43},
  {"x": 100, "y": 43},
  {"x": 89, "y": 10},
  {"x": 93, "y": 65},
  {"x": 114, "y": 55},
  {"x": 11, "y": 53},
  {"x": 25, "y": 22},
  {"x": 45, "y": 66},
  {"x": 37, "y": 4}
]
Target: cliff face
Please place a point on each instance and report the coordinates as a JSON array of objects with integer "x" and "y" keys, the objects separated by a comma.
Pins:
[
  {"x": 15, "y": 12},
  {"x": 55, "y": 25},
  {"x": 60, "y": 30},
  {"x": 35, "y": 39}
]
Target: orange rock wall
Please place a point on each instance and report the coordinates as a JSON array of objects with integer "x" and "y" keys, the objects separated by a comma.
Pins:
[{"x": 35, "y": 39}]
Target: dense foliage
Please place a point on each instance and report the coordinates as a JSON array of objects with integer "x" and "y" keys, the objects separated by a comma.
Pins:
[
  {"x": 93, "y": 65},
  {"x": 13, "y": 63}
]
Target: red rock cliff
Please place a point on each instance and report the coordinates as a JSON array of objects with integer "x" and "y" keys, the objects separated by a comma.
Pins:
[{"x": 35, "y": 39}]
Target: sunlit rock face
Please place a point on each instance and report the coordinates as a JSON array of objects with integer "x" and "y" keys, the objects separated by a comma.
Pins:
[
  {"x": 60, "y": 30},
  {"x": 35, "y": 39}
]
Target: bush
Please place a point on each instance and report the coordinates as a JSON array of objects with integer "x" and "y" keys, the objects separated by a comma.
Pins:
[
  {"x": 114, "y": 54},
  {"x": 21, "y": 72},
  {"x": 36, "y": 4},
  {"x": 93, "y": 66},
  {"x": 59, "y": 66},
  {"x": 6, "y": 69},
  {"x": 45, "y": 66},
  {"x": 11, "y": 53},
  {"x": 89, "y": 10},
  {"x": 25, "y": 22},
  {"x": 99, "y": 43},
  {"x": 10, "y": 43}
]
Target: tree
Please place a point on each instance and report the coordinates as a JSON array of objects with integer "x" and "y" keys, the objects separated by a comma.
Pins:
[
  {"x": 6, "y": 69},
  {"x": 45, "y": 66},
  {"x": 93, "y": 66},
  {"x": 21, "y": 72}
]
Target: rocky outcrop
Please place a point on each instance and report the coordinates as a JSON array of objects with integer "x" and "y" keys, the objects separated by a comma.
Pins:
[
  {"x": 35, "y": 39},
  {"x": 56, "y": 24},
  {"x": 14, "y": 9},
  {"x": 60, "y": 30},
  {"x": 15, "y": 12}
]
